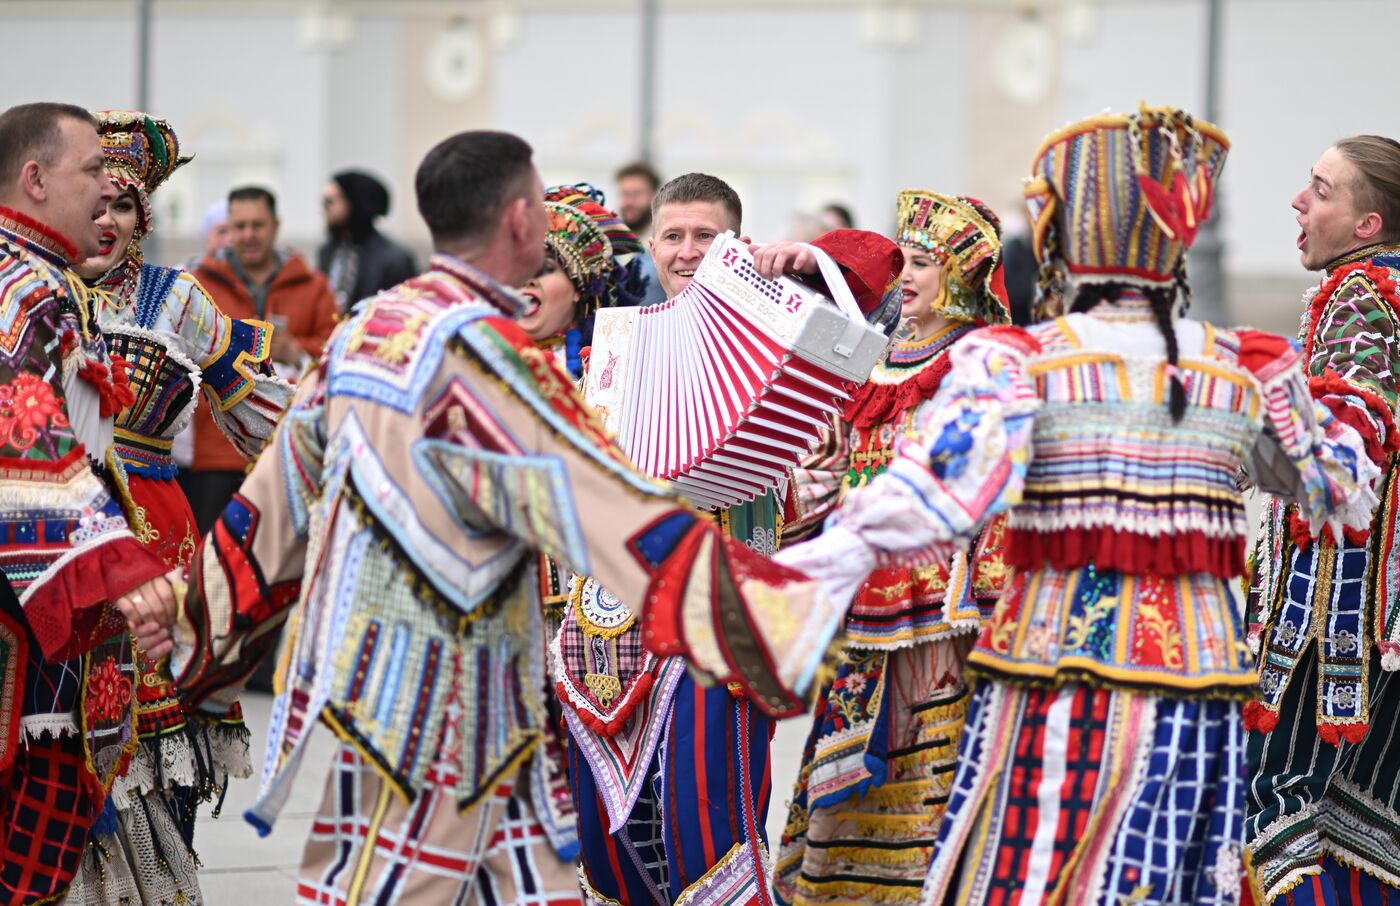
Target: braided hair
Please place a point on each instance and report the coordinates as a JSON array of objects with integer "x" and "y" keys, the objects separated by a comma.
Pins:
[{"x": 1163, "y": 302}]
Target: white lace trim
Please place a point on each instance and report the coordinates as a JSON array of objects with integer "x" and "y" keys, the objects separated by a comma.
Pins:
[
  {"x": 179, "y": 765},
  {"x": 1108, "y": 516},
  {"x": 56, "y": 726}
]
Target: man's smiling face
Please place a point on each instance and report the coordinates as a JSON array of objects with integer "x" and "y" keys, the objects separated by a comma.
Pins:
[{"x": 682, "y": 234}]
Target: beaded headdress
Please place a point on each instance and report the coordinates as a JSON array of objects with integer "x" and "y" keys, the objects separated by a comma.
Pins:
[
  {"x": 587, "y": 238},
  {"x": 965, "y": 235},
  {"x": 1119, "y": 198},
  {"x": 141, "y": 153},
  {"x": 584, "y": 196}
]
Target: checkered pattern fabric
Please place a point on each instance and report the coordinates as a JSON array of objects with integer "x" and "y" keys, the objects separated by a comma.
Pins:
[
  {"x": 368, "y": 846},
  {"x": 1084, "y": 795},
  {"x": 46, "y": 812},
  {"x": 1308, "y": 799}
]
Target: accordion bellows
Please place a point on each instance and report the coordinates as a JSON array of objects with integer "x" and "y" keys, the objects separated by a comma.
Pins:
[{"x": 722, "y": 389}]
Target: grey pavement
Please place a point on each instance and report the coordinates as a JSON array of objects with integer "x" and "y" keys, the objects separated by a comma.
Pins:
[{"x": 242, "y": 868}]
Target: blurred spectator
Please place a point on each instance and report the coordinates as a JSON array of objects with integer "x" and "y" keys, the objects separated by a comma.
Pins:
[
  {"x": 805, "y": 227},
  {"x": 357, "y": 259},
  {"x": 836, "y": 216},
  {"x": 213, "y": 232},
  {"x": 1018, "y": 262},
  {"x": 253, "y": 279},
  {"x": 636, "y": 184}
]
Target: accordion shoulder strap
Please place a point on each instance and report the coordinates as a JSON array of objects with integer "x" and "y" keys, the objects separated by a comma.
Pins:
[{"x": 841, "y": 294}]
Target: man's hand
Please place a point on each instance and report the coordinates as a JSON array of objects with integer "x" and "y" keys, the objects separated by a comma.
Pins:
[
  {"x": 285, "y": 347},
  {"x": 150, "y": 610},
  {"x": 778, "y": 258},
  {"x": 154, "y": 639}
]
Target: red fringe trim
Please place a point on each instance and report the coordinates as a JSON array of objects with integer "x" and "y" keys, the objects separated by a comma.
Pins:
[
  {"x": 1258, "y": 717},
  {"x": 1331, "y": 382},
  {"x": 113, "y": 386},
  {"x": 69, "y": 610},
  {"x": 67, "y": 248},
  {"x": 1333, "y": 734},
  {"x": 1128, "y": 552},
  {"x": 1302, "y": 535},
  {"x": 635, "y": 696},
  {"x": 1378, "y": 275},
  {"x": 875, "y": 404}
]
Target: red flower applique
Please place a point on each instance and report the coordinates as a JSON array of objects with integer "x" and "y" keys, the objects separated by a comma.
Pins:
[
  {"x": 28, "y": 409},
  {"x": 108, "y": 693}
]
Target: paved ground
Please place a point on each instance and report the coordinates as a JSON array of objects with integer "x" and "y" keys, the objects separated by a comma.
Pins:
[{"x": 241, "y": 868}]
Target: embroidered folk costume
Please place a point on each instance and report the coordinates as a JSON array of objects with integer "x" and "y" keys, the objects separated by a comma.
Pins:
[
  {"x": 590, "y": 243},
  {"x": 1324, "y": 767},
  {"x": 175, "y": 342},
  {"x": 672, "y": 779},
  {"x": 396, "y": 517},
  {"x": 66, "y": 669},
  {"x": 1103, "y": 757},
  {"x": 878, "y": 763}
]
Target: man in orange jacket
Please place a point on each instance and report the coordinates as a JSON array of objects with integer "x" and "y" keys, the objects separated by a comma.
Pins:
[{"x": 252, "y": 278}]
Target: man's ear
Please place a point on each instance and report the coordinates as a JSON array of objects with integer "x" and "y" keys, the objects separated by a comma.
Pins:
[
  {"x": 31, "y": 182},
  {"x": 1370, "y": 227}
]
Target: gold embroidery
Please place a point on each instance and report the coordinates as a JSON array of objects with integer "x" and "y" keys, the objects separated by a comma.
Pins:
[
  {"x": 1155, "y": 621},
  {"x": 605, "y": 688},
  {"x": 142, "y": 529},
  {"x": 395, "y": 348}
]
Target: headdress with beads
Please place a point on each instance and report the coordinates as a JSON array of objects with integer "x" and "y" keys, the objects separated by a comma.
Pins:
[
  {"x": 598, "y": 253},
  {"x": 1119, "y": 198},
  {"x": 593, "y": 244},
  {"x": 141, "y": 153},
  {"x": 965, "y": 235}
]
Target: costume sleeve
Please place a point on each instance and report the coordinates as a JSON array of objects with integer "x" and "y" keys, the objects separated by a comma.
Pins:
[
  {"x": 245, "y": 396},
  {"x": 1353, "y": 356},
  {"x": 964, "y": 461},
  {"x": 511, "y": 444},
  {"x": 1323, "y": 459},
  {"x": 67, "y": 549},
  {"x": 816, "y": 483},
  {"x": 248, "y": 571}
]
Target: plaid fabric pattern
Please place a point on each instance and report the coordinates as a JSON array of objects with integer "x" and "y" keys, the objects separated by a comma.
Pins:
[
  {"x": 1331, "y": 578},
  {"x": 1084, "y": 795},
  {"x": 368, "y": 846},
  {"x": 1307, "y": 799},
  {"x": 49, "y": 806}
]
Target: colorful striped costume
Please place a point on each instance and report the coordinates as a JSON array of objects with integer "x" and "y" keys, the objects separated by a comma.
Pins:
[
  {"x": 176, "y": 343},
  {"x": 66, "y": 672},
  {"x": 878, "y": 762},
  {"x": 1324, "y": 764},
  {"x": 1103, "y": 757},
  {"x": 672, "y": 780},
  {"x": 397, "y": 518}
]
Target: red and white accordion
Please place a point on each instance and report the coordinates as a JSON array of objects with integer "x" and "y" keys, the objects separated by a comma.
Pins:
[{"x": 723, "y": 389}]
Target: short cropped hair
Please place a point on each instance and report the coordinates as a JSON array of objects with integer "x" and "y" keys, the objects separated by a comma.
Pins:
[
  {"x": 639, "y": 168},
  {"x": 466, "y": 181},
  {"x": 693, "y": 187},
  {"x": 254, "y": 193},
  {"x": 31, "y": 132}
]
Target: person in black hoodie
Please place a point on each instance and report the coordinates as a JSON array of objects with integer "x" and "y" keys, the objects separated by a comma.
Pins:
[{"x": 358, "y": 260}]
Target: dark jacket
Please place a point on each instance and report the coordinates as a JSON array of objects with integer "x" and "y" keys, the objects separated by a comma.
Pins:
[{"x": 382, "y": 264}]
